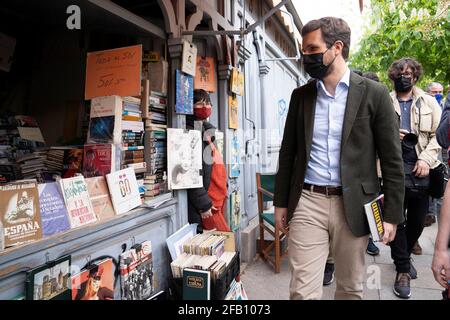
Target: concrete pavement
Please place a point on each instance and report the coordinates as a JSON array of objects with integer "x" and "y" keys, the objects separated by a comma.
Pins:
[{"x": 262, "y": 283}]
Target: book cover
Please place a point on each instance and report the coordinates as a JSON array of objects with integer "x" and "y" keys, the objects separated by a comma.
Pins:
[
  {"x": 189, "y": 58},
  {"x": 99, "y": 160},
  {"x": 233, "y": 112},
  {"x": 101, "y": 201},
  {"x": 184, "y": 93},
  {"x": 374, "y": 214},
  {"x": 2, "y": 237},
  {"x": 184, "y": 159},
  {"x": 105, "y": 120},
  {"x": 54, "y": 214},
  {"x": 235, "y": 208},
  {"x": 72, "y": 162},
  {"x": 235, "y": 161},
  {"x": 95, "y": 282},
  {"x": 136, "y": 272},
  {"x": 196, "y": 284},
  {"x": 205, "y": 76},
  {"x": 20, "y": 214},
  {"x": 237, "y": 82},
  {"x": 124, "y": 190},
  {"x": 50, "y": 281},
  {"x": 176, "y": 240},
  {"x": 78, "y": 203}
]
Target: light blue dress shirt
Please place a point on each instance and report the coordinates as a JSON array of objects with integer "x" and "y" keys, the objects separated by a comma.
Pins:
[{"x": 324, "y": 164}]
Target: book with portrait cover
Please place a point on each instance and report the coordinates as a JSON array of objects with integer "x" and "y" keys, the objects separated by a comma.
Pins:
[
  {"x": 50, "y": 281},
  {"x": 374, "y": 214},
  {"x": 96, "y": 282},
  {"x": 99, "y": 194},
  {"x": 100, "y": 159},
  {"x": 78, "y": 202},
  {"x": 20, "y": 214},
  {"x": 124, "y": 190},
  {"x": 54, "y": 215},
  {"x": 136, "y": 272}
]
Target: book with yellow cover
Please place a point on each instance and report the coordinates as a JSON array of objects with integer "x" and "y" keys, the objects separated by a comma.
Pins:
[{"x": 374, "y": 213}]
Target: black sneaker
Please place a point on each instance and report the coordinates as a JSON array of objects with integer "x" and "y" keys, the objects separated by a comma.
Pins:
[
  {"x": 372, "y": 249},
  {"x": 412, "y": 271},
  {"x": 402, "y": 287},
  {"x": 328, "y": 275}
]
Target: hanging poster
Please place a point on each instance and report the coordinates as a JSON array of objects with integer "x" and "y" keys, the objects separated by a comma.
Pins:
[
  {"x": 184, "y": 159},
  {"x": 235, "y": 161},
  {"x": 233, "y": 115},
  {"x": 184, "y": 93},
  {"x": 237, "y": 82},
  {"x": 205, "y": 77},
  {"x": 235, "y": 208},
  {"x": 189, "y": 58},
  {"x": 114, "y": 72}
]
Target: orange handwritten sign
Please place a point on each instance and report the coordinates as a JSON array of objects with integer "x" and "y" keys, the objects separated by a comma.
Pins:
[{"x": 114, "y": 72}]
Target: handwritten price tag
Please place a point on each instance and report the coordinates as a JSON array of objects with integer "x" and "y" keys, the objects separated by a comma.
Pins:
[{"x": 114, "y": 72}]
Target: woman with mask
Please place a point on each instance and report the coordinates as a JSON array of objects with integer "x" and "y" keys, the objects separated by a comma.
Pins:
[
  {"x": 419, "y": 115},
  {"x": 206, "y": 204}
]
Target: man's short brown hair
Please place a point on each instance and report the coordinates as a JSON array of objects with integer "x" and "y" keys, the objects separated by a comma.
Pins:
[
  {"x": 396, "y": 68},
  {"x": 333, "y": 29}
]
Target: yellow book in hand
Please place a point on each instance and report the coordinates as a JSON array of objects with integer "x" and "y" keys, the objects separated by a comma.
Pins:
[{"x": 374, "y": 213}]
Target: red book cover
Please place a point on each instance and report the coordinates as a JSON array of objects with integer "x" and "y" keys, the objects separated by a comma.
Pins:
[{"x": 98, "y": 160}]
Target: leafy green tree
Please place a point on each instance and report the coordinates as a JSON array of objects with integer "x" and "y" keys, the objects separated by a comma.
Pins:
[{"x": 413, "y": 28}]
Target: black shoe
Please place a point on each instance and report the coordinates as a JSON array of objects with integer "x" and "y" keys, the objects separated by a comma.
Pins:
[
  {"x": 372, "y": 249},
  {"x": 328, "y": 275},
  {"x": 402, "y": 287},
  {"x": 412, "y": 271}
]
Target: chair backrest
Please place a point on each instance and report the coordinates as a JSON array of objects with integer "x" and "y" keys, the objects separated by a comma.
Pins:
[{"x": 266, "y": 186}]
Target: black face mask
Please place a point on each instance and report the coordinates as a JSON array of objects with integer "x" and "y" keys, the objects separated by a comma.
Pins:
[
  {"x": 403, "y": 84},
  {"x": 314, "y": 66}
]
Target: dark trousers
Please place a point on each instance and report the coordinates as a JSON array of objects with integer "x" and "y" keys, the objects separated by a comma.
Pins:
[{"x": 408, "y": 232}]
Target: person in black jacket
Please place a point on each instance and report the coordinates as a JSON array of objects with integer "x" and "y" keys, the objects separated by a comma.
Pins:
[{"x": 199, "y": 202}]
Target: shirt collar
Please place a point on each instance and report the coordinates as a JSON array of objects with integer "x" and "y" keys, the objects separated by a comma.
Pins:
[{"x": 345, "y": 80}]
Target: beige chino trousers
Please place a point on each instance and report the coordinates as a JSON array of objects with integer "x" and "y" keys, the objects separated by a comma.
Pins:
[{"x": 317, "y": 226}]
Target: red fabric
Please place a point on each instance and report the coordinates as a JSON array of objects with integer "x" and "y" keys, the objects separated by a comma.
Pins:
[{"x": 217, "y": 192}]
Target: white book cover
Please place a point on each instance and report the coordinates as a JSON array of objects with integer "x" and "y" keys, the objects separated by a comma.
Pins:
[
  {"x": 124, "y": 190},
  {"x": 78, "y": 203},
  {"x": 106, "y": 120},
  {"x": 374, "y": 214},
  {"x": 184, "y": 159}
]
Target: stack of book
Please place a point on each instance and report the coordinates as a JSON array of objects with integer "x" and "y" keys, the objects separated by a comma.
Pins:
[
  {"x": 155, "y": 141},
  {"x": 32, "y": 165},
  {"x": 205, "y": 244},
  {"x": 132, "y": 140}
]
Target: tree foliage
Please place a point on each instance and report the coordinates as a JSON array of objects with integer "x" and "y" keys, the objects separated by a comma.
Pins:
[{"x": 416, "y": 28}]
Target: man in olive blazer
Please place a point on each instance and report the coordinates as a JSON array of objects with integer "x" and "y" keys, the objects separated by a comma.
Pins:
[{"x": 342, "y": 149}]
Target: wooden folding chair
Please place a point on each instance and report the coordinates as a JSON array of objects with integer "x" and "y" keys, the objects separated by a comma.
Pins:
[{"x": 266, "y": 187}]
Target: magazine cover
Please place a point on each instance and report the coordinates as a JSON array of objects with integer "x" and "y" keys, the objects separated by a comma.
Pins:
[
  {"x": 205, "y": 77},
  {"x": 124, "y": 190},
  {"x": 20, "y": 214},
  {"x": 374, "y": 214},
  {"x": 136, "y": 272},
  {"x": 77, "y": 201},
  {"x": 50, "y": 281},
  {"x": 99, "y": 194},
  {"x": 94, "y": 283},
  {"x": 54, "y": 214}
]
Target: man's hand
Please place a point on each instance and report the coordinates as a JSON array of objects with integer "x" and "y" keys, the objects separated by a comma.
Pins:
[
  {"x": 422, "y": 169},
  {"x": 280, "y": 217},
  {"x": 441, "y": 267},
  {"x": 206, "y": 214},
  {"x": 389, "y": 232},
  {"x": 403, "y": 132}
]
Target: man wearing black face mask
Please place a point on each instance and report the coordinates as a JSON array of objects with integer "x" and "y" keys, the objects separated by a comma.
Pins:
[
  {"x": 327, "y": 169},
  {"x": 419, "y": 114}
]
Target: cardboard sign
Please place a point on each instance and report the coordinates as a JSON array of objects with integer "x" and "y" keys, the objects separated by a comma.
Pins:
[
  {"x": 205, "y": 75},
  {"x": 114, "y": 72},
  {"x": 189, "y": 58}
]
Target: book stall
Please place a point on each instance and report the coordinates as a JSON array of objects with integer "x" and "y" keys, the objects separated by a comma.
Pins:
[{"x": 91, "y": 167}]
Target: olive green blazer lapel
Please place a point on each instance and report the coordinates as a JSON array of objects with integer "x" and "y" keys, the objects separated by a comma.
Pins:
[{"x": 356, "y": 92}]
